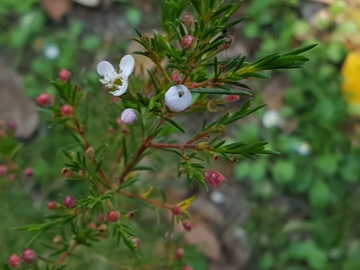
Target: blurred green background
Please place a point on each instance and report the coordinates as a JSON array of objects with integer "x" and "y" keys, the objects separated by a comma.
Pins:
[{"x": 303, "y": 205}]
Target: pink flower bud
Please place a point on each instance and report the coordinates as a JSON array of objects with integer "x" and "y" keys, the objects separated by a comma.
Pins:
[
  {"x": 214, "y": 178},
  {"x": 129, "y": 116},
  {"x": 12, "y": 125},
  {"x": 176, "y": 210},
  {"x": 189, "y": 42},
  {"x": 188, "y": 267},
  {"x": 92, "y": 226},
  {"x": 100, "y": 218},
  {"x": 64, "y": 75},
  {"x": 188, "y": 225},
  {"x": 11, "y": 176},
  {"x": 44, "y": 99},
  {"x": 137, "y": 243},
  {"x": 179, "y": 253},
  {"x": 28, "y": 172},
  {"x": 69, "y": 202},
  {"x": 113, "y": 216},
  {"x": 53, "y": 205},
  {"x": 3, "y": 169},
  {"x": 176, "y": 77},
  {"x": 15, "y": 261},
  {"x": 90, "y": 153},
  {"x": 2, "y": 133},
  {"x": 66, "y": 110},
  {"x": 231, "y": 98},
  {"x": 29, "y": 256}
]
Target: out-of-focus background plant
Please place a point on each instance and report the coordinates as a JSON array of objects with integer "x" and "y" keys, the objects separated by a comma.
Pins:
[{"x": 298, "y": 210}]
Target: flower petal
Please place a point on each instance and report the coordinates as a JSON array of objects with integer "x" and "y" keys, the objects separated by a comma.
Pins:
[
  {"x": 127, "y": 65},
  {"x": 121, "y": 90},
  {"x": 187, "y": 94},
  {"x": 176, "y": 104},
  {"x": 105, "y": 68}
]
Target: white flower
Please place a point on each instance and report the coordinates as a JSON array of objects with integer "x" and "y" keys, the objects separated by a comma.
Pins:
[
  {"x": 129, "y": 116},
  {"x": 178, "y": 98},
  {"x": 118, "y": 81},
  {"x": 51, "y": 51},
  {"x": 271, "y": 119},
  {"x": 303, "y": 149}
]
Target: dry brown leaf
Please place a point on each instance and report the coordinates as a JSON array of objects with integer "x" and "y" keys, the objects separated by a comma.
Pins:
[{"x": 56, "y": 9}]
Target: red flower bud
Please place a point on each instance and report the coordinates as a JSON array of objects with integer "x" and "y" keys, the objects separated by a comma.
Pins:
[
  {"x": 176, "y": 77},
  {"x": 188, "y": 225},
  {"x": 64, "y": 75},
  {"x": 176, "y": 210},
  {"x": 66, "y": 110},
  {"x": 15, "y": 261},
  {"x": 92, "y": 226},
  {"x": 189, "y": 42},
  {"x": 69, "y": 202},
  {"x": 44, "y": 99},
  {"x": 29, "y": 256},
  {"x": 137, "y": 243},
  {"x": 214, "y": 178},
  {"x": 231, "y": 98},
  {"x": 3, "y": 169},
  {"x": 188, "y": 267},
  {"x": 179, "y": 253},
  {"x": 113, "y": 216},
  {"x": 53, "y": 205},
  {"x": 12, "y": 125},
  {"x": 28, "y": 172}
]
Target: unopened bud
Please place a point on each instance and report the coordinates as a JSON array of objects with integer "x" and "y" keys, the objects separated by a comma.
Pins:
[
  {"x": 57, "y": 239},
  {"x": 67, "y": 172},
  {"x": 130, "y": 215},
  {"x": 187, "y": 20},
  {"x": 228, "y": 42},
  {"x": 231, "y": 98},
  {"x": 188, "y": 267},
  {"x": 113, "y": 216},
  {"x": 129, "y": 116},
  {"x": 92, "y": 226},
  {"x": 3, "y": 170},
  {"x": 179, "y": 253},
  {"x": 102, "y": 228},
  {"x": 70, "y": 202},
  {"x": 189, "y": 42},
  {"x": 82, "y": 173},
  {"x": 66, "y": 110},
  {"x": 137, "y": 243},
  {"x": 29, "y": 256},
  {"x": 182, "y": 170},
  {"x": 64, "y": 75},
  {"x": 12, "y": 126},
  {"x": 53, "y": 205},
  {"x": 176, "y": 210},
  {"x": 90, "y": 153},
  {"x": 188, "y": 225},
  {"x": 28, "y": 172},
  {"x": 44, "y": 99},
  {"x": 176, "y": 77},
  {"x": 15, "y": 261},
  {"x": 214, "y": 178}
]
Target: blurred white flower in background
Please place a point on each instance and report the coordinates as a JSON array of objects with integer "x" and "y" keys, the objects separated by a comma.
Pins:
[
  {"x": 303, "y": 148},
  {"x": 272, "y": 118},
  {"x": 51, "y": 51}
]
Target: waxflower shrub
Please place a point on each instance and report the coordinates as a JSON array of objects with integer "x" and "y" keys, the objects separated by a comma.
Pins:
[{"x": 113, "y": 168}]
